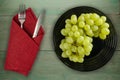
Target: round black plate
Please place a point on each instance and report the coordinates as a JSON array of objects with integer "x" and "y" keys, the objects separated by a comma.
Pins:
[{"x": 102, "y": 50}]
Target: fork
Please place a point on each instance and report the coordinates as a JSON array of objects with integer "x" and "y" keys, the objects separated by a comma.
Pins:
[{"x": 21, "y": 15}]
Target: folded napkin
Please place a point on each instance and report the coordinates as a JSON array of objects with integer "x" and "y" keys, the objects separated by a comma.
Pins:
[{"x": 22, "y": 48}]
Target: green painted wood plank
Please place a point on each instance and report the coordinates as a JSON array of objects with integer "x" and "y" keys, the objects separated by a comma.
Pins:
[
  {"x": 48, "y": 67},
  {"x": 56, "y": 6},
  {"x": 50, "y": 21}
]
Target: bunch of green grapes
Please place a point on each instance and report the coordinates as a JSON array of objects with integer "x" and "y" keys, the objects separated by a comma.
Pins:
[{"x": 79, "y": 33}]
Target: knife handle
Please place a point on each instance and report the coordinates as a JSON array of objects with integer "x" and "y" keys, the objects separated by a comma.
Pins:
[{"x": 36, "y": 31}]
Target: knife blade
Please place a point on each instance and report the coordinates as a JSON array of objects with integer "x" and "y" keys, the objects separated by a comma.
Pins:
[{"x": 39, "y": 23}]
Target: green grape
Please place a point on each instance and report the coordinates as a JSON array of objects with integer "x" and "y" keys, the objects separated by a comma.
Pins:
[
  {"x": 87, "y": 54},
  {"x": 73, "y": 48},
  {"x": 87, "y": 27},
  {"x": 70, "y": 34},
  {"x": 91, "y": 45},
  {"x": 68, "y": 26},
  {"x": 102, "y": 36},
  {"x": 86, "y": 42},
  {"x": 81, "y": 18},
  {"x": 88, "y": 48},
  {"x": 94, "y": 16},
  {"x": 94, "y": 28},
  {"x": 81, "y": 55},
  {"x": 90, "y": 14},
  {"x": 66, "y": 45},
  {"x": 103, "y": 18},
  {"x": 67, "y": 30},
  {"x": 76, "y": 34},
  {"x": 82, "y": 14},
  {"x": 80, "y": 39},
  {"x": 81, "y": 50},
  {"x": 62, "y": 41},
  {"x": 74, "y": 19},
  {"x": 99, "y": 22},
  {"x": 105, "y": 31},
  {"x": 88, "y": 38},
  {"x": 74, "y": 28},
  {"x": 62, "y": 47},
  {"x": 75, "y": 58},
  {"x": 87, "y": 16},
  {"x": 68, "y": 21},
  {"x": 90, "y": 22},
  {"x": 64, "y": 55},
  {"x": 81, "y": 60},
  {"x": 68, "y": 52},
  {"x": 81, "y": 24},
  {"x": 63, "y": 32},
  {"x": 96, "y": 33},
  {"x": 90, "y": 33},
  {"x": 74, "y": 38},
  {"x": 105, "y": 25},
  {"x": 81, "y": 32},
  {"x": 71, "y": 57},
  {"x": 69, "y": 40}
]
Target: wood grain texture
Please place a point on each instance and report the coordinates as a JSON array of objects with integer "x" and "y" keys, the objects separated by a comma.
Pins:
[{"x": 47, "y": 66}]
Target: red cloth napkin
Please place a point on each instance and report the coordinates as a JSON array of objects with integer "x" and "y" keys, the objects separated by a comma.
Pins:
[{"x": 22, "y": 48}]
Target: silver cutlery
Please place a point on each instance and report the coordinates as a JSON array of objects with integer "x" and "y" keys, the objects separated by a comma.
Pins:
[
  {"x": 21, "y": 14},
  {"x": 39, "y": 23}
]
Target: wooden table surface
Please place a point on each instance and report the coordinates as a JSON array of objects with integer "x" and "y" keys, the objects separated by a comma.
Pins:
[{"x": 47, "y": 66}]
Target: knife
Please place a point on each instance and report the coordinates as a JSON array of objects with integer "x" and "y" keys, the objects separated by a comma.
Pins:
[{"x": 39, "y": 23}]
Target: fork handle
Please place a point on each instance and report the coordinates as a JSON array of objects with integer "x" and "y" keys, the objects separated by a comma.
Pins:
[{"x": 22, "y": 26}]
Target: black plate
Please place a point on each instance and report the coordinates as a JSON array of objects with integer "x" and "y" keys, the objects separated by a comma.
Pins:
[{"x": 102, "y": 50}]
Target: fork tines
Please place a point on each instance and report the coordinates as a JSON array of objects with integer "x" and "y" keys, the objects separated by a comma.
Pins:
[
  {"x": 21, "y": 14},
  {"x": 22, "y": 8}
]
